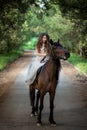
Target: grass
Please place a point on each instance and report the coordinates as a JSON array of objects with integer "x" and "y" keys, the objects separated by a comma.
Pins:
[
  {"x": 79, "y": 62},
  {"x": 5, "y": 59}
]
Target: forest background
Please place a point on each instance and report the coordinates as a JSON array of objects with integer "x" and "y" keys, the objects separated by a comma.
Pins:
[{"x": 21, "y": 22}]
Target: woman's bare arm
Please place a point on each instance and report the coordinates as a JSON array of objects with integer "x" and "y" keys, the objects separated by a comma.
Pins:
[{"x": 40, "y": 54}]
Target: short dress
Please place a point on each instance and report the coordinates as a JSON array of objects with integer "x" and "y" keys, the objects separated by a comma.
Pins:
[{"x": 34, "y": 66}]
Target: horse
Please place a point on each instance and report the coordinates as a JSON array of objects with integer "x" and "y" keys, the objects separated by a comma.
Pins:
[{"x": 46, "y": 82}]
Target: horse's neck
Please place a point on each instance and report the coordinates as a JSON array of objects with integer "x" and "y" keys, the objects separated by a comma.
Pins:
[
  {"x": 55, "y": 63},
  {"x": 54, "y": 67}
]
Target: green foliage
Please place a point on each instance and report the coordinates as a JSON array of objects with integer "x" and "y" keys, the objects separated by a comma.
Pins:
[
  {"x": 30, "y": 45},
  {"x": 79, "y": 62},
  {"x": 12, "y": 31},
  {"x": 5, "y": 59},
  {"x": 8, "y": 58},
  {"x": 74, "y": 8},
  {"x": 20, "y": 21},
  {"x": 9, "y": 29}
]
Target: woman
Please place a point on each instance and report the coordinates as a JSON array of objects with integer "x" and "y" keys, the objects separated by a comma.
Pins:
[{"x": 42, "y": 49}]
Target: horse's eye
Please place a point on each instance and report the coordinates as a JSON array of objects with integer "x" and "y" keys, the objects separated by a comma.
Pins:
[{"x": 54, "y": 47}]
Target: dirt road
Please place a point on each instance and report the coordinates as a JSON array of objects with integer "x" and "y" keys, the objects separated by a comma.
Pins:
[{"x": 70, "y": 110}]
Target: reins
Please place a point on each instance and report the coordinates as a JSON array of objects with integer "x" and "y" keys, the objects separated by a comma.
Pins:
[{"x": 52, "y": 54}]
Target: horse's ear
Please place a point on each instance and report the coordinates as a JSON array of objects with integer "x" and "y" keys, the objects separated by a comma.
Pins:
[
  {"x": 58, "y": 40},
  {"x": 51, "y": 41},
  {"x": 58, "y": 43}
]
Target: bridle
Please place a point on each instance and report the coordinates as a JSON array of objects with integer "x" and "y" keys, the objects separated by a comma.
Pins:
[{"x": 52, "y": 55}]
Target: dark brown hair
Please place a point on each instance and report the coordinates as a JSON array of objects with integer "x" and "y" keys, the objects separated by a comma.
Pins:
[{"x": 47, "y": 43}]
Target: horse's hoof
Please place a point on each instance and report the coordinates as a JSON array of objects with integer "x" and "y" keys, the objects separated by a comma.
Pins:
[
  {"x": 39, "y": 124},
  {"x": 54, "y": 124},
  {"x": 31, "y": 114},
  {"x": 36, "y": 113}
]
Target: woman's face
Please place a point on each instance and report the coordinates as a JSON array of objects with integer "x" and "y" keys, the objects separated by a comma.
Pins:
[{"x": 44, "y": 39}]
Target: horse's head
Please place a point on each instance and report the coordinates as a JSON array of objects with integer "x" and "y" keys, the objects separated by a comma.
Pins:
[{"x": 59, "y": 52}]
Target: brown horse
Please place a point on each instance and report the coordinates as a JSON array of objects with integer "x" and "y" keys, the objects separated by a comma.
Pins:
[{"x": 46, "y": 81}]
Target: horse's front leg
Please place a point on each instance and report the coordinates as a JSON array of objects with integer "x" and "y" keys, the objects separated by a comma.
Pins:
[
  {"x": 51, "y": 117},
  {"x": 39, "y": 122},
  {"x": 32, "y": 99},
  {"x": 37, "y": 102}
]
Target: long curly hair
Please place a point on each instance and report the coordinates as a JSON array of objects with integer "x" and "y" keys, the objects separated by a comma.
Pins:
[{"x": 40, "y": 43}]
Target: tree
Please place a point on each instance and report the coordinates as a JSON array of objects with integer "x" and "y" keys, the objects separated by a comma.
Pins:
[
  {"x": 20, "y": 19},
  {"x": 12, "y": 16}
]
